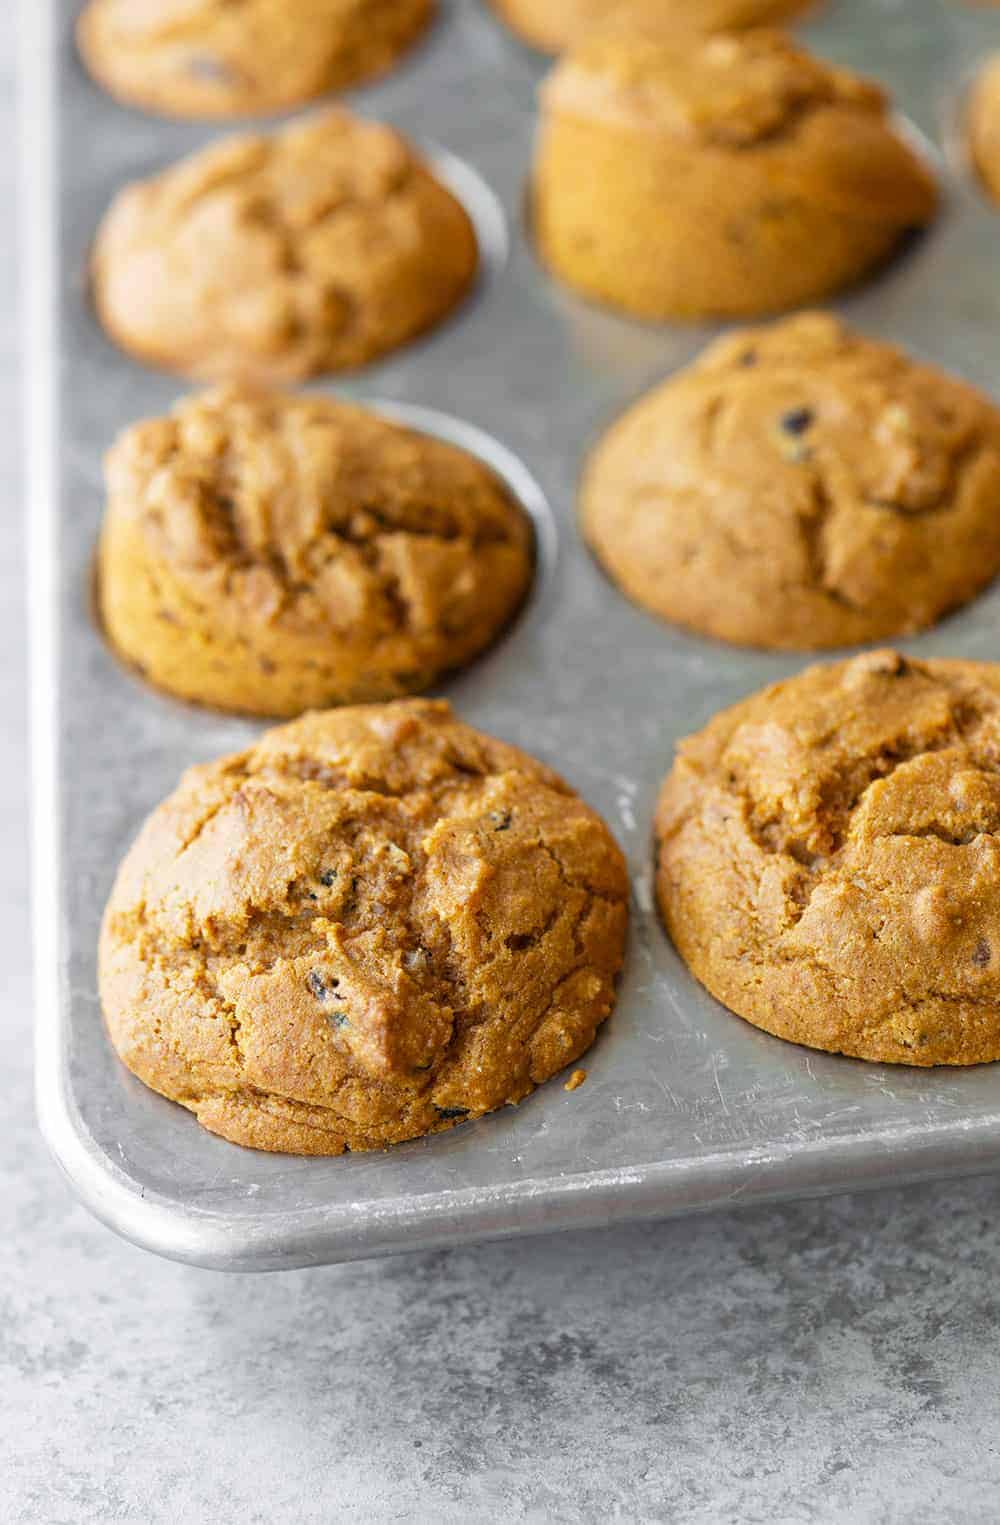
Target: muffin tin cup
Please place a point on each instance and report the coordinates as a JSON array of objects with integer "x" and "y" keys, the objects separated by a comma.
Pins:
[{"x": 685, "y": 1106}]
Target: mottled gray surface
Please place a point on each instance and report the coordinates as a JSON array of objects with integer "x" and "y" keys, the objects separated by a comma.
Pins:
[{"x": 832, "y": 1361}]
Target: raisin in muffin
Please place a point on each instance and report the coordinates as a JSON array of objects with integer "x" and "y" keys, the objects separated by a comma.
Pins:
[
  {"x": 689, "y": 177},
  {"x": 552, "y": 25},
  {"x": 373, "y": 924},
  {"x": 272, "y": 258},
  {"x": 829, "y": 859},
  {"x": 210, "y": 58},
  {"x": 270, "y": 554},
  {"x": 800, "y": 486}
]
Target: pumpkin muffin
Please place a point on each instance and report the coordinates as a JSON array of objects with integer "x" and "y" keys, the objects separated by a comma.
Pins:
[
  {"x": 829, "y": 859},
  {"x": 209, "y": 58},
  {"x": 373, "y": 924},
  {"x": 983, "y": 126},
  {"x": 552, "y": 25},
  {"x": 687, "y": 177},
  {"x": 269, "y": 554},
  {"x": 800, "y": 486},
  {"x": 271, "y": 258}
]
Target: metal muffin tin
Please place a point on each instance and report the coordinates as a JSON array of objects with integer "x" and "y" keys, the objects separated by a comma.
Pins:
[{"x": 686, "y": 1106}]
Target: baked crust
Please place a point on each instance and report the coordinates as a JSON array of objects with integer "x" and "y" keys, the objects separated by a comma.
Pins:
[
  {"x": 553, "y": 25},
  {"x": 269, "y": 554},
  {"x": 983, "y": 126},
  {"x": 829, "y": 859},
  {"x": 268, "y": 259},
  {"x": 728, "y": 176},
  {"x": 210, "y": 58},
  {"x": 373, "y": 924},
  {"x": 800, "y": 486}
]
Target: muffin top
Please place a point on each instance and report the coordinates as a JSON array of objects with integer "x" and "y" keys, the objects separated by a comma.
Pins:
[
  {"x": 829, "y": 858},
  {"x": 816, "y": 126},
  {"x": 268, "y": 553},
  {"x": 375, "y": 923},
  {"x": 800, "y": 486},
  {"x": 727, "y": 90},
  {"x": 270, "y": 258},
  {"x": 553, "y": 25},
  {"x": 983, "y": 126},
  {"x": 210, "y": 58}
]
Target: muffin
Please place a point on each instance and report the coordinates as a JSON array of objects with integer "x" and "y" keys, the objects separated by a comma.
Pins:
[
  {"x": 686, "y": 177},
  {"x": 271, "y": 258},
  {"x": 552, "y": 25},
  {"x": 373, "y": 924},
  {"x": 800, "y": 486},
  {"x": 829, "y": 859},
  {"x": 269, "y": 554},
  {"x": 200, "y": 58},
  {"x": 983, "y": 126}
]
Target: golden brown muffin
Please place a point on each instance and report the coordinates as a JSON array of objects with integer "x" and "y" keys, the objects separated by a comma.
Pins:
[
  {"x": 800, "y": 486},
  {"x": 552, "y": 25},
  {"x": 716, "y": 177},
  {"x": 211, "y": 58},
  {"x": 269, "y": 259},
  {"x": 829, "y": 859},
  {"x": 983, "y": 126},
  {"x": 373, "y": 924},
  {"x": 272, "y": 554}
]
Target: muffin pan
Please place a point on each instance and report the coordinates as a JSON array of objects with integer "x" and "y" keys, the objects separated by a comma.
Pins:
[{"x": 685, "y": 1106}]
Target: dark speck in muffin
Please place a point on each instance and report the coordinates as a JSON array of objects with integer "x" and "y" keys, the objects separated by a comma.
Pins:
[
  {"x": 797, "y": 421},
  {"x": 320, "y": 986}
]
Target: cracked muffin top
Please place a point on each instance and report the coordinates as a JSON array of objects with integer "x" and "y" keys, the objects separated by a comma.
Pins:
[
  {"x": 800, "y": 486},
  {"x": 730, "y": 91},
  {"x": 373, "y": 924},
  {"x": 272, "y": 258},
  {"x": 219, "y": 58},
  {"x": 553, "y": 25},
  {"x": 829, "y": 859},
  {"x": 737, "y": 92},
  {"x": 683, "y": 176},
  {"x": 983, "y": 126},
  {"x": 271, "y": 554}
]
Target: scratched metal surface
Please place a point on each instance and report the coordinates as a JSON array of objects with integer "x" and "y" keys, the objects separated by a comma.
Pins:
[{"x": 685, "y": 1106}]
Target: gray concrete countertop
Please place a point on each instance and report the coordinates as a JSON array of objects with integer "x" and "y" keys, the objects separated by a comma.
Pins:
[{"x": 831, "y": 1361}]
